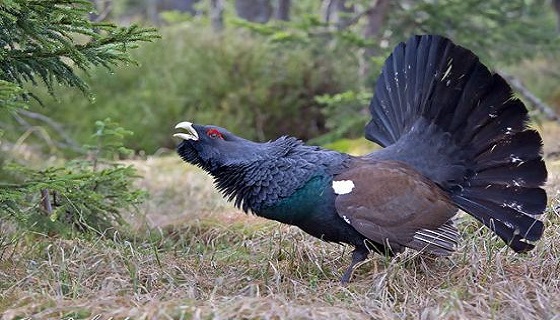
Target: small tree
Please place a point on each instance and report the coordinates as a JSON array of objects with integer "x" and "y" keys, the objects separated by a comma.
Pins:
[{"x": 48, "y": 41}]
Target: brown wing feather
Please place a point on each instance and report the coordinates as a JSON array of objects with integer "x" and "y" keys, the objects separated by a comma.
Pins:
[{"x": 392, "y": 203}]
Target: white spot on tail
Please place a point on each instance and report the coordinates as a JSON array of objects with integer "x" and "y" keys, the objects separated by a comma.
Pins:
[
  {"x": 509, "y": 130},
  {"x": 346, "y": 219},
  {"x": 448, "y": 71},
  {"x": 343, "y": 186},
  {"x": 513, "y": 205},
  {"x": 518, "y": 182},
  {"x": 515, "y": 159}
]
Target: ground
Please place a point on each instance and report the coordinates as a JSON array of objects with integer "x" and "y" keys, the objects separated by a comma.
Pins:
[{"x": 191, "y": 255}]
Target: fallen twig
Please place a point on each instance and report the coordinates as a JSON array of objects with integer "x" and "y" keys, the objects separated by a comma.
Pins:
[{"x": 68, "y": 143}]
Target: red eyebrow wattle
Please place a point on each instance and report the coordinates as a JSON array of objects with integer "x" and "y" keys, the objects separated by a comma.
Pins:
[{"x": 211, "y": 132}]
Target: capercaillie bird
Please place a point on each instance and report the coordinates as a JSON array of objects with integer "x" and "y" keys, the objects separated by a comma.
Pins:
[{"x": 454, "y": 137}]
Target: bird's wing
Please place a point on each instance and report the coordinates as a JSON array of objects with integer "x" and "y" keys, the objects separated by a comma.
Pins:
[{"x": 388, "y": 202}]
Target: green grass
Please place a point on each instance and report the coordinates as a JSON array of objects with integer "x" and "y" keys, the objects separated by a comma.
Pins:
[{"x": 191, "y": 255}]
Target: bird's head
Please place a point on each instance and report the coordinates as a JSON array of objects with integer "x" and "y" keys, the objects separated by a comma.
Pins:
[{"x": 211, "y": 147}]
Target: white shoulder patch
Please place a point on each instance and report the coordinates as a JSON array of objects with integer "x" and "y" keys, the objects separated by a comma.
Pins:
[{"x": 343, "y": 186}]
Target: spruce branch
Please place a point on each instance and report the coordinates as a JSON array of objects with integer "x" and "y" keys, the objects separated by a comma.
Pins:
[
  {"x": 54, "y": 42},
  {"x": 50, "y": 39}
]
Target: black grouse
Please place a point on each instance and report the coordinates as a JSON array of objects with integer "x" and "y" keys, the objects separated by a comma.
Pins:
[{"x": 454, "y": 137}]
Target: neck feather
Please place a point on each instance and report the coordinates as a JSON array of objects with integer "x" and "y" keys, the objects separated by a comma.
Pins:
[{"x": 283, "y": 166}]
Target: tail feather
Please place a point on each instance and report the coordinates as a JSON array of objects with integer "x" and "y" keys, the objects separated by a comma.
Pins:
[
  {"x": 528, "y": 174},
  {"x": 437, "y": 108},
  {"x": 469, "y": 97},
  {"x": 524, "y": 200},
  {"x": 513, "y": 149},
  {"x": 515, "y": 236},
  {"x": 397, "y": 98},
  {"x": 507, "y": 122},
  {"x": 385, "y": 127}
]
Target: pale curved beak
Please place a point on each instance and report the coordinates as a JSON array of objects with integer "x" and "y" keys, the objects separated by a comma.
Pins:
[{"x": 191, "y": 133}]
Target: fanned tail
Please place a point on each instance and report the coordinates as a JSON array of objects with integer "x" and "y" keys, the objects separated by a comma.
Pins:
[{"x": 438, "y": 108}]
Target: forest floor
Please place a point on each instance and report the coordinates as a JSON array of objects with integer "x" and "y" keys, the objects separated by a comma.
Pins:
[{"x": 191, "y": 255}]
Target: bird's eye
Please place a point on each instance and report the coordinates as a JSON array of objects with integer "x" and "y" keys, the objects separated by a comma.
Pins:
[{"x": 214, "y": 134}]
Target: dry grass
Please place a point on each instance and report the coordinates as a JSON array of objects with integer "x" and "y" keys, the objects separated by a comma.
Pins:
[{"x": 190, "y": 255}]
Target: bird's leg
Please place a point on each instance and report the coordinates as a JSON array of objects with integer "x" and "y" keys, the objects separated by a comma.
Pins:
[{"x": 358, "y": 255}]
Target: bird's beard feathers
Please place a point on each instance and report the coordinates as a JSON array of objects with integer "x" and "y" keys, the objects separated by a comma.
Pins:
[
  {"x": 227, "y": 179},
  {"x": 232, "y": 182},
  {"x": 241, "y": 180},
  {"x": 188, "y": 152},
  {"x": 275, "y": 171}
]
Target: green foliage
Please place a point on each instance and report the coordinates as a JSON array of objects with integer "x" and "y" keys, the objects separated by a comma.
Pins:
[
  {"x": 261, "y": 80},
  {"x": 49, "y": 39},
  {"x": 345, "y": 113},
  {"x": 542, "y": 77},
  {"x": 109, "y": 138},
  {"x": 501, "y": 32},
  {"x": 10, "y": 96},
  {"x": 307, "y": 31},
  {"x": 83, "y": 195},
  {"x": 253, "y": 87}
]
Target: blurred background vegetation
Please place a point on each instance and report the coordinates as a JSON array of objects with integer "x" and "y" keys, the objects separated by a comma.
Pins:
[
  {"x": 261, "y": 68},
  {"x": 269, "y": 68}
]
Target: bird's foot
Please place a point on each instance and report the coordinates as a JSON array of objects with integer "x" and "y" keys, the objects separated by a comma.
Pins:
[{"x": 358, "y": 255}]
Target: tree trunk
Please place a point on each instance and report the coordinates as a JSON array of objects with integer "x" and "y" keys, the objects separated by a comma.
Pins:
[
  {"x": 103, "y": 9},
  {"x": 337, "y": 12},
  {"x": 343, "y": 14},
  {"x": 556, "y": 6},
  {"x": 180, "y": 5},
  {"x": 375, "y": 17},
  {"x": 283, "y": 10},
  {"x": 217, "y": 15},
  {"x": 258, "y": 11},
  {"x": 152, "y": 11},
  {"x": 327, "y": 10}
]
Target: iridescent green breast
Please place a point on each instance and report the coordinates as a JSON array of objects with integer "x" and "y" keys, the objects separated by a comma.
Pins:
[{"x": 309, "y": 200}]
